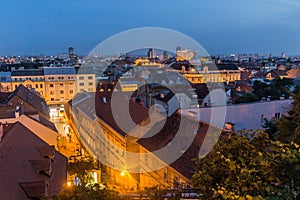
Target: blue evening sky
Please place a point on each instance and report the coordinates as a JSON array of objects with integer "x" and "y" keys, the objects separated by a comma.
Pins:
[{"x": 222, "y": 27}]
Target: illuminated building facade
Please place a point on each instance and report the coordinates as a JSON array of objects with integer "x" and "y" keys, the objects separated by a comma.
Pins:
[
  {"x": 59, "y": 84},
  {"x": 91, "y": 117}
]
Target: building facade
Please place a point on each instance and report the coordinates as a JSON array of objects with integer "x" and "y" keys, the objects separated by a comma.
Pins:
[
  {"x": 91, "y": 117},
  {"x": 85, "y": 79},
  {"x": 59, "y": 84},
  {"x": 56, "y": 85},
  {"x": 32, "y": 79}
]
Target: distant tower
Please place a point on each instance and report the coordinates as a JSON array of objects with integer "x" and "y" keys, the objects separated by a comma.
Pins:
[
  {"x": 71, "y": 52},
  {"x": 283, "y": 55},
  {"x": 151, "y": 53},
  {"x": 165, "y": 55}
]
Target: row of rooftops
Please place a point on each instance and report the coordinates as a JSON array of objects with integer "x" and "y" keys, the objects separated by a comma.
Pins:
[
  {"x": 98, "y": 106},
  {"x": 30, "y": 165},
  {"x": 48, "y": 71}
]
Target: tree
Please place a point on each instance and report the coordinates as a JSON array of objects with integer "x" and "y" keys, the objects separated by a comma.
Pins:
[
  {"x": 270, "y": 128},
  {"x": 80, "y": 169},
  {"x": 93, "y": 192},
  {"x": 246, "y": 98},
  {"x": 248, "y": 165},
  {"x": 289, "y": 126}
]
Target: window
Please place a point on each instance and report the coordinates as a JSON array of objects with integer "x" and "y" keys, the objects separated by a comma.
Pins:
[
  {"x": 51, "y": 85},
  {"x": 36, "y": 86},
  {"x": 81, "y": 84},
  {"x": 90, "y": 77},
  {"x": 51, "y": 92},
  {"x": 61, "y": 92},
  {"x": 52, "y": 99},
  {"x": 71, "y": 91},
  {"x": 90, "y": 83},
  {"x": 61, "y": 85},
  {"x": 16, "y": 79},
  {"x": 81, "y": 78},
  {"x": 41, "y": 85}
]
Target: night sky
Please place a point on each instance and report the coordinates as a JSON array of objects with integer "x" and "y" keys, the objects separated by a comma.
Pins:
[{"x": 222, "y": 27}]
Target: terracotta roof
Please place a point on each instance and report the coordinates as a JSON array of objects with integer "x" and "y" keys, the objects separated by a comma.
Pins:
[
  {"x": 45, "y": 122},
  {"x": 28, "y": 100},
  {"x": 137, "y": 112},
  {"x": 293, "y": 73},
  {"x": 184, "y": 163},
  {"x": 278, "y": 73},
  {"x": 19, "y": 174}
]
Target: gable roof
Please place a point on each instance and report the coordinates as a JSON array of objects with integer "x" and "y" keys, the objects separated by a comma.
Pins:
[
  {"x": 184, "y": 164},
  {"x": 17, "y": 148},
  {"x": 30, "y": 101}
]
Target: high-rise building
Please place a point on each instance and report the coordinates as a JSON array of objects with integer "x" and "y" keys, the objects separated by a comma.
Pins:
[
  {"x": 151, "y": 53},
  {"x": 71, "y": 52}
]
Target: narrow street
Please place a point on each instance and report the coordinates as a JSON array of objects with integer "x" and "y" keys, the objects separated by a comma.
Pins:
[{"x": 67, "y": 142}]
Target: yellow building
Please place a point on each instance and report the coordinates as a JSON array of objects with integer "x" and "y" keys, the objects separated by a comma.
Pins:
[
  {"x": 5, "y": 82},
  {"x": 140, "y": 61},
  {"x": 32, "y": 79},
  {"x": 222, "y": 73},
  {"x": 130, "y": 84},
  {"x": 102, "y": 138},
  {"x": 59, "y": 84},
  {"x": 85, "y": 79}
]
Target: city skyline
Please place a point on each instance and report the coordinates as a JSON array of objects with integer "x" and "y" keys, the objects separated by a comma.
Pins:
[{"x": 49, "y": 27}]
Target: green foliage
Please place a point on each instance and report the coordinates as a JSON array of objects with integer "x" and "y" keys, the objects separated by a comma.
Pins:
[
  {"x": 155, "y": 193},
  {"x": 277, "y": 88},
  {"x": 248, "y": 165},
  {"x": 246, "y": 98},
  {"x": 289, "y": 126},
  {"x": 80, "y": 169},
  {"x": 93, "y": 192},
  {"x": 270, "y": 128}
]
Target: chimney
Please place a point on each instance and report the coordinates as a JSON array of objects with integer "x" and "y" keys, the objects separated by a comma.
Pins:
[
  {"x": 1, "y": 131},
  {"x": 17, "y": 112}
]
